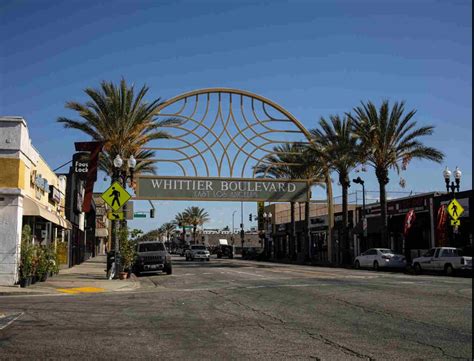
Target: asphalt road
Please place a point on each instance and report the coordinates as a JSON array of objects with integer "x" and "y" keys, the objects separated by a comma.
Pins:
[{"x": 237, "y": 310}]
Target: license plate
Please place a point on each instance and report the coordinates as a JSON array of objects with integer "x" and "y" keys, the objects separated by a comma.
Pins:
[{"x": 152, "y": 266}]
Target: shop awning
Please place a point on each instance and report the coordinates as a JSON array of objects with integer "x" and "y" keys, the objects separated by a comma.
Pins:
[{"x": 33, "y": 208}]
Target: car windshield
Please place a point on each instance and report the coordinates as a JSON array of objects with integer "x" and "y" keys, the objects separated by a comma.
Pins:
[
  {"x": 151, "y": 247},
  {"x": 386, "y": 251},
  {"x": 199, "y": 247}
]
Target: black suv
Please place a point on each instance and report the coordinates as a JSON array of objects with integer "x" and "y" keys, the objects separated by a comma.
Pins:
[{"x": 152, "y": 257}]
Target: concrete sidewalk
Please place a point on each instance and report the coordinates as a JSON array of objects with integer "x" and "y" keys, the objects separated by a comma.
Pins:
[{"x": 88, "y": 277}]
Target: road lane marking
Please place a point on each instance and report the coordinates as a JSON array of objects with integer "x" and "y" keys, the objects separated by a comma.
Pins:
[
  {"x": 8, "y": 320},
  {"x": 77, "y": 290}
]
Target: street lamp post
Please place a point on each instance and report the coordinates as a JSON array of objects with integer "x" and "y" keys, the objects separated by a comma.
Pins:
[
  {"x": 267, "y": 218},
  {"x": 360, "y": 181},
  {"x": 121, "y": 175},
  {"x": 457, "y": 178},
  {"x": 233, "y": 228},
  {"x": 453, "y": 187}
]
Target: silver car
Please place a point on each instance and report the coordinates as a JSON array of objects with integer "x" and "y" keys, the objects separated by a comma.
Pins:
[{"x": 377, "y": 258}]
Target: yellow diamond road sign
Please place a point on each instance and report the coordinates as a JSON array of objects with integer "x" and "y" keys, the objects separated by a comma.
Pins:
[
  {"x": 116, "y": 196},
  {"x": 113, "y": 216},
  {"x": 455, "y": 209},
  {"x": 456, "y": 222}
]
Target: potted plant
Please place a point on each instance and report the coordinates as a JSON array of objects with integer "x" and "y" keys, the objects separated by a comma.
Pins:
[
  {"x": 26, "y": 257},
  {"x": 51, "y": 256},
  {"x": 127, "y": 252},
  {"x": 42, "y": 263}
]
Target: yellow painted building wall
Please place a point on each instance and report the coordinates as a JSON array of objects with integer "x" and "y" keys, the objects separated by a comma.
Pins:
[
  {"x": 16, "y": 174},
  {"x": 12, "y": 173}
]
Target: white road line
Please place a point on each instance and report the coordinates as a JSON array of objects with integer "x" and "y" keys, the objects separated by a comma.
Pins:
[{"x": 10, "y": 321}]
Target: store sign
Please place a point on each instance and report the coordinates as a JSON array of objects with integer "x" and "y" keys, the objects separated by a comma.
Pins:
[
  {"x": 80, "y": 164},
  {"x": 221, "y": 189},
  {"x": 54, "y": 194},
  {"x": 39, "y": 182}
]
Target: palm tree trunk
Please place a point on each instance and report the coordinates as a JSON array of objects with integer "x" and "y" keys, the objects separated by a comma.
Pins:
[
  {"x": 330, "y": 206},
  {"x": 345, "y": 216},
  {"x": 382, "y": 177},
  {"x": 292, "y": 231}
]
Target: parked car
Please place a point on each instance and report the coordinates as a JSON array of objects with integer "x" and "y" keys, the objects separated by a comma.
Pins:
[
  {"x": 152, "y": 257},
  {"x": 197, "y": 251},
  {"x": 225, "y": 250},
  {"x": 447, "y": 259},
  {"x": 377, "y": 258}
]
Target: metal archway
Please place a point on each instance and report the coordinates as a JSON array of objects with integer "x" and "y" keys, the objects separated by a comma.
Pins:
[{"x": 224, "y": 133}]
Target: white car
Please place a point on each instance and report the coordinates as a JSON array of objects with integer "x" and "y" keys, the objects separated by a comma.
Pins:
[
  {"x": 197, "y": 252},
  {"x": 380, "y": 258},
  {"x": 447, "y": 259}
]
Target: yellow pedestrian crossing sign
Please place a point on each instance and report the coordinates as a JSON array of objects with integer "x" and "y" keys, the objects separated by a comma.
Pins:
[
  {"x": 455, "y": 209},
  {"x": 455, "y": 222},
  {"x": 116, "y": 196},
  {"x": 115, "y": 216}
]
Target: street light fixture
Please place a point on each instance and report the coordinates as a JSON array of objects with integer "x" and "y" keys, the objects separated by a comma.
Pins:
[
  {"x": 360, "y": 181},
  {"x": 120, "y": 174},
  {"x": 267, "y": 217},
  {"x": 457, "y": 178}
]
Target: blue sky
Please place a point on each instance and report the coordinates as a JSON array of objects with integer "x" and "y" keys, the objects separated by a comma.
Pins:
[{"x": 314, "y": 58}]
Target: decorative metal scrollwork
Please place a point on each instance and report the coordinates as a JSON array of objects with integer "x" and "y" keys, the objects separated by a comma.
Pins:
[{"x": 223, "y": 133}]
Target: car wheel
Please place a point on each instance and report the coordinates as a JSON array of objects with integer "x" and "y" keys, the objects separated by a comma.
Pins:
[
  {"x": 417, "y": 268},
  {"x": 376, "y": 266},
  {"x": 449, "y": 270},
  {"x": 357, "y": 264},
  {"x": 207, "y": 259},
  {"x": 169, "y": 270}
]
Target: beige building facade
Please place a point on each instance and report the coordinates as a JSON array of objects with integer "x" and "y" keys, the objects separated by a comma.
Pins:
[{"x": 30, "y": 193}]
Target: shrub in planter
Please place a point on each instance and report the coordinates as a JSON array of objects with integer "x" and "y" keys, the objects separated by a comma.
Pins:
[
  {"x": 127, "y": 250},
  {"x": 51, "y": 257},
  {"x": 42, "y": 263},
  {"x": 26, "y": 257}
]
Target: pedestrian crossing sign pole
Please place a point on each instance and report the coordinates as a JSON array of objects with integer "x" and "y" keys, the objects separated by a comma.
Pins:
[{"x": 116, "y": 196}]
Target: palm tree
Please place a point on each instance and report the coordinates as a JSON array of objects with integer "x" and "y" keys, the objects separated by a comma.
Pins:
[
  {"x": 197, "y": 217},
  {"x": 391, "y": 140},
  {"x": 168, "y": 228},
  {"x": 289, "y": 161},
  {"x": 125, "y": 122},
  {"x": 335, "y": 142},
  {"x": 182, "y": 220}
]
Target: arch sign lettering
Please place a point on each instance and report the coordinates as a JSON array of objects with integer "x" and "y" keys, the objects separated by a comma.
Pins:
[
  {"x": 219, "y": 137},
  {"x": 215, "y": 189}
]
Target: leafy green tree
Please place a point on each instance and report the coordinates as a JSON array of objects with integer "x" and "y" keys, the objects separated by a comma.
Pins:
[
  {"x": 391, "y": 139},
  {"x": 335, "y": 143},
  {"x": 196, "y": 217}
]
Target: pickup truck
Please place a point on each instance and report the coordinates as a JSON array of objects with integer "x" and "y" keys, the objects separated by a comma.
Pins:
[
  {"x": 152, "y": 256},
  {"x": 447, "y": 259},
  {"x": 197, "y": 252}
]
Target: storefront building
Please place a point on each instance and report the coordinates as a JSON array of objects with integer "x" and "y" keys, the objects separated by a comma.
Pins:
[
  {"x": 430, "y": 226},
  {"x": 30, "y": 193}
]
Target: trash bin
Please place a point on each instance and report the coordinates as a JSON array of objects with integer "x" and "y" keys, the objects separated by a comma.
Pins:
[{"x": 111, "y": 258}]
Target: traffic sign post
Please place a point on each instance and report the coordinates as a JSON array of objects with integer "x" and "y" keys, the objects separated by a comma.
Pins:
[{"x": 116, "y": 196}]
